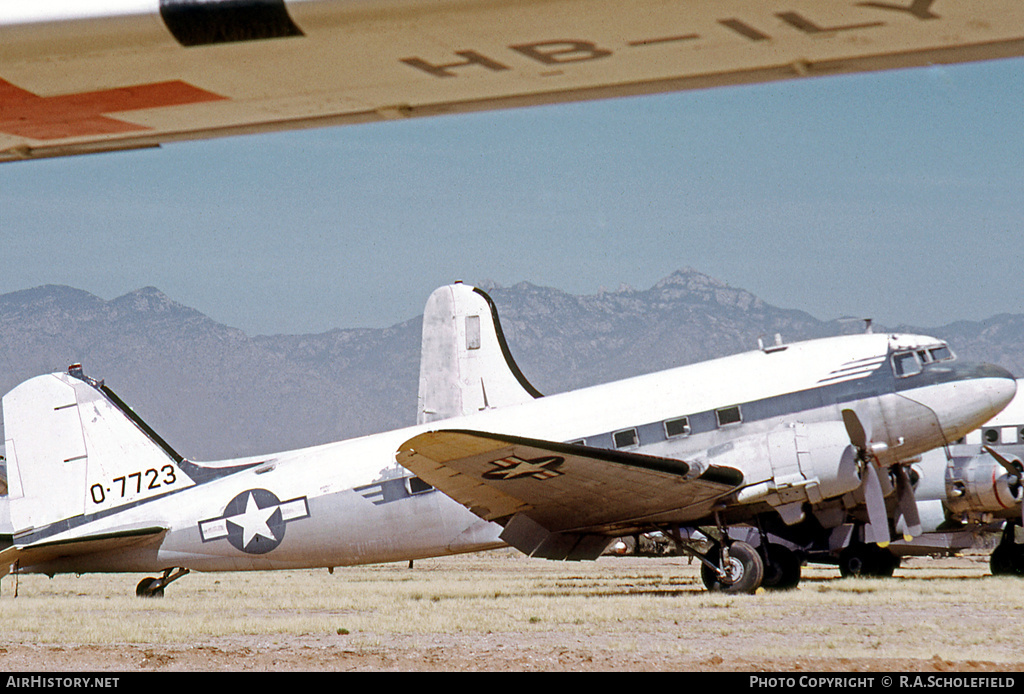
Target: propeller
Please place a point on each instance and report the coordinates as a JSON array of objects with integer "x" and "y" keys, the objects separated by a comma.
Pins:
[
  {"x": 908, "y": 520},
  {"x": 1014, "y": 468},
  {"x": 877, "y": 486}
]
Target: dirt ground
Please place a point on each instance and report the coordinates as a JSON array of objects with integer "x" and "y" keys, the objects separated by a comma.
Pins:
[
  {"x": 502, "y": 612},
  {"x": 304, "y": 654}
]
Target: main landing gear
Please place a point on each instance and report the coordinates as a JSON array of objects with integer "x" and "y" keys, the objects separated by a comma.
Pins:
[
  {"x": 781, "y": 567},
  {"x": 732, "y": 568},
  {"x": 154, "y": 587},
  {"x": 729, "y": 566},
  {"x": 868, "y": 560},
  {"x": 1007, "y": 558}
]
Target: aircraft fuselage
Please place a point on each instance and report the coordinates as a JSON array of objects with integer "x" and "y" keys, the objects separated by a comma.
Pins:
[{"x": 350, "y": 503}]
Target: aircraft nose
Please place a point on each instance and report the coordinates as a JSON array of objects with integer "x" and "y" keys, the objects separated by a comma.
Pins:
[
  {"x": 995, "y": 385},
  {"x": 1002, "y": 386},
  {"x": 965, "y": 396}
]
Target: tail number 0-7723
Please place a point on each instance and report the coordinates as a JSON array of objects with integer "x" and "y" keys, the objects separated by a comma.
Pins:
[{"x": 134, "y": 483}]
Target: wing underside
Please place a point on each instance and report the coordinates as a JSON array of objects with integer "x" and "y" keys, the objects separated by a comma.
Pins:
[
  {"x": 86, "y": 77},
  {"x": 571, "y": 497}
]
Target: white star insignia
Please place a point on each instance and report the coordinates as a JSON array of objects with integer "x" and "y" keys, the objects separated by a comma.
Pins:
[{"x": 253, "y": 521}]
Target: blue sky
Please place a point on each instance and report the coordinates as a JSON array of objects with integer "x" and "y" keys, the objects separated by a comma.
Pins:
[{"x": 897, "y": 196}]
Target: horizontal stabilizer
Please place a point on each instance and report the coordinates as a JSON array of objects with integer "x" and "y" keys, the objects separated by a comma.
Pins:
[
  {"x": 41, "y": 552},
  {"x": 563, "y": 487}
]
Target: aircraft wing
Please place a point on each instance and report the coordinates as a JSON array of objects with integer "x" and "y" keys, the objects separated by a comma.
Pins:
[
  {"x": 45, "y": 551},
  {"x": 570, "y": 490},
  {"x": 100, "y": 75}
]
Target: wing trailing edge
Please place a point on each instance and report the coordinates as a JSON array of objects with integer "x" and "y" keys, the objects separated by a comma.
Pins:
[{"x": 563, "y": 501}]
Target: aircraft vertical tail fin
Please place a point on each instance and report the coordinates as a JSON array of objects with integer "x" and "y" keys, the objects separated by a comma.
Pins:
[
  {"x": 465, "y": 364},
  {"x": 74, "y": 449}
]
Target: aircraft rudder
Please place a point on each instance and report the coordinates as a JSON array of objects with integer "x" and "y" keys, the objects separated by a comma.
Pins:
[{"x": 73, "y": 448}]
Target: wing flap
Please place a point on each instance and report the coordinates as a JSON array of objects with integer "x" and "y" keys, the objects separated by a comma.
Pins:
[{"x": 564, "y": 488}]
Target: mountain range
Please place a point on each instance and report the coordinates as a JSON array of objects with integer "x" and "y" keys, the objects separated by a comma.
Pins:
[{"x": 214, "y": 392}]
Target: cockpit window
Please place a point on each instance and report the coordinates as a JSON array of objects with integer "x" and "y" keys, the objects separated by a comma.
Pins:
[
  {"x": 940, "y": 353},
  {"x": 906, "y": 364}
]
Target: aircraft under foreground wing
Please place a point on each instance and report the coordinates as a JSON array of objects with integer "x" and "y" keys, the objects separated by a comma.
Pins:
[
  {"x": 565, "y": 501},
  {"x": 102, "y": 75}
]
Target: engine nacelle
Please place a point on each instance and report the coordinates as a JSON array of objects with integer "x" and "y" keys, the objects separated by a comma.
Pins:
[
  {"x": 980, "y": 484},
  {"x": 805, "y": 463}
]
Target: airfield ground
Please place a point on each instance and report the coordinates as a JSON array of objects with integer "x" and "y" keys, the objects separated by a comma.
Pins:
[{"x": 501, "y": 611}]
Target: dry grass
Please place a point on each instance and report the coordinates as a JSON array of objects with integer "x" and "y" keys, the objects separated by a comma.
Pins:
[{"x": 629, "y": 607}]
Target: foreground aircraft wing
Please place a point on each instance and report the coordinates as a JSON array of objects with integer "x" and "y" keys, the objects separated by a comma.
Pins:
[
  {"x": 568, "y": 496},
  {"x": 101, "y": 75}
]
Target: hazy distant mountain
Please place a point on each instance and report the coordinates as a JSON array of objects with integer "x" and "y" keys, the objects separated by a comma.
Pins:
[{"x": 215, "y": 392}]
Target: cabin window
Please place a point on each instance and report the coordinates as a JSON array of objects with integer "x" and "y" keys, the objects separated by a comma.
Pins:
[
  {"x": 414, "y": 485},
  {"x": 729, "y": 415},
  {"x": 677, "y": 427},
  {"x": 991, "y": 436},
  {"x": 625, "y": 438},
  {"x": 906, "y": 364}
]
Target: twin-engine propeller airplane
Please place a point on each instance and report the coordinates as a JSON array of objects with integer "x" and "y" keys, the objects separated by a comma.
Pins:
[
  {"x": 80, "y": 76},
  {"x": 776, "y": 433}
]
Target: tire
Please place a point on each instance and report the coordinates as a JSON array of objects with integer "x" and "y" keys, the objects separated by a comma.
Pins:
[
  {"x": 869, "y": 561},
  {"x": 781, "y": 568},
  {"x": 1007, "y": 560},
  {"x": 745, "y": 571},
  {"x": 145, "y": 588}
]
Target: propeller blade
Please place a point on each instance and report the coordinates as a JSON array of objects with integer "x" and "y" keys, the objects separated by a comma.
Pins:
[
  {"x": 1012, "y": 465},
  {"x": 908, "y": 520},
  {"x": 877, "y": 529},
  {"x": 859, "y": 437}
]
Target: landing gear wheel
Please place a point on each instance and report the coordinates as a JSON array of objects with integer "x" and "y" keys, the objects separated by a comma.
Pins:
[
  {"x": 744, "y": 570},
  {"x": 1001, "y": 561},
  {"x": 154, "y": 587},
  {"x": 150, "y": 588},
  {"x": 1007, "y": 559},
  {"x": 869, "y": 561},
  {"x": 781, "y": 568}
]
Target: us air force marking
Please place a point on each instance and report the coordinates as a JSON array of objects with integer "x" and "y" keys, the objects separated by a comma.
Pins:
[
  {"x": 514, "y": 467},
  {"x": 254, "y": 521}
]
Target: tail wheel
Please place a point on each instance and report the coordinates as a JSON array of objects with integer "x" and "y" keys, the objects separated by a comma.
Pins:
[
  {"x": 150, "y": 588},
  {"x": 154, "y": 587},
  {"x": 743, "y": 571}
]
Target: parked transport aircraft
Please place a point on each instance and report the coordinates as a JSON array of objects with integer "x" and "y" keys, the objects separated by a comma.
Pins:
[
  {"x": 777, "y": 433},
  {"x": 80, "y": 76}
]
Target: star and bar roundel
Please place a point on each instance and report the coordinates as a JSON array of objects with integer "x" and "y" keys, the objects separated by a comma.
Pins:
[
  {"x": 254, "y": 521},
  {"x": 513, "y": 467}
]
